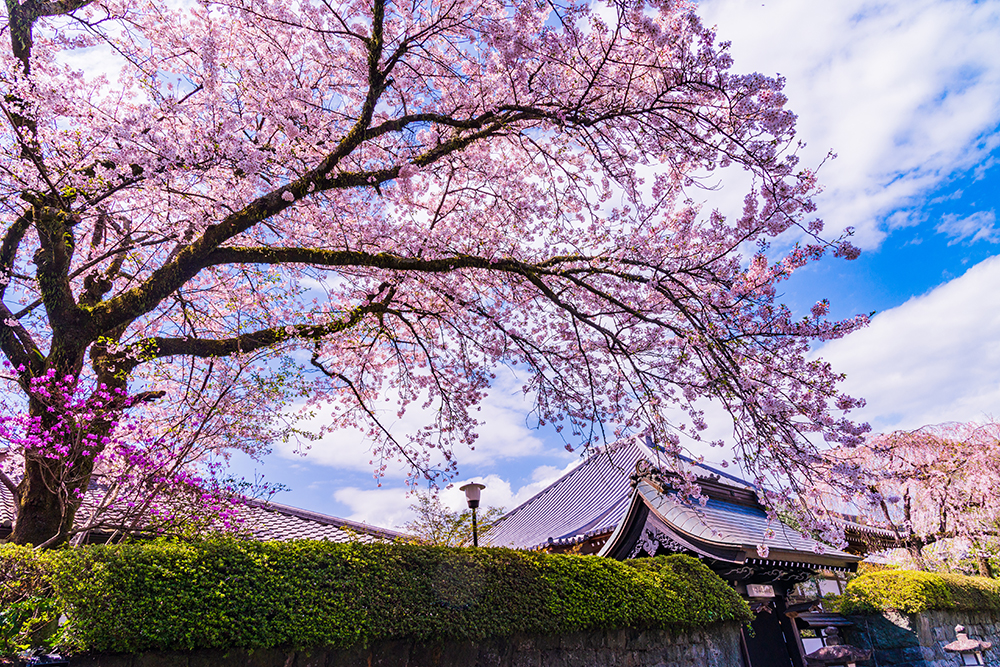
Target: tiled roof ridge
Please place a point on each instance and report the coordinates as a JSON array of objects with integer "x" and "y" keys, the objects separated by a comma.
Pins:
[
  {"x": 715, "y": 471},
  {"x": 573, "y": 540},
  {"x": 865, "y": 528},
  {"x": 642, "y": 443},
  {"x": 326, "y": 519}
]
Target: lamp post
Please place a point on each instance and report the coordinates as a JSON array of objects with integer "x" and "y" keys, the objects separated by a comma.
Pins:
[{"x": 472, "y": 491}]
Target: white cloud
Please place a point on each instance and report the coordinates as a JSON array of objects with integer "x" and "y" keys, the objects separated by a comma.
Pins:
[
  {"x": 390, "y": 507},
  {"x": 907, "y": 92},
  {"x": 382, "y": 507},
  {"x": 505, "y": 434},
  {"x": 976, "y": 227},
  {"x": 933, "y": 359}
]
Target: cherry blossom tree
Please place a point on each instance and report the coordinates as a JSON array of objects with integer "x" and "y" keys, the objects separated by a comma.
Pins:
[
  {"x": 368, "y": 205},
  {"x": 934, "y": 486}
]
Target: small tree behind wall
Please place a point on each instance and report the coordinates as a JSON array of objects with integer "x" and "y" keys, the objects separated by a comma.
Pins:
[
  {"x": 370, "y": 205},
  {"x": 437, "y": 525}
]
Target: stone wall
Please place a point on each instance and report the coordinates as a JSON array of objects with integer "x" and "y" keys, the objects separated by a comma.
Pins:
[
  {"x": 715, "y": 646},
  {"x": 916, "y": 640}
]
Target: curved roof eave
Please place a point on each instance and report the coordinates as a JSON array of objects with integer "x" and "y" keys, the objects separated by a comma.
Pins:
[{"x": 695, "y": 531}]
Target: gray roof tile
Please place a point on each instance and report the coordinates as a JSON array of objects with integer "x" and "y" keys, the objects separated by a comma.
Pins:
[
  {"x": 270, "y": 521},
  {"x": 6, "y": 507},
  {"x": 729, "y": 523},
  {"x": 588, "y": 500}
]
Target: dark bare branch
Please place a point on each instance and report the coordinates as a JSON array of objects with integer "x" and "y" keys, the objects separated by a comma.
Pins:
[
  {"x": 317, "y": 257},
  {"x": 250, "y": 342}
]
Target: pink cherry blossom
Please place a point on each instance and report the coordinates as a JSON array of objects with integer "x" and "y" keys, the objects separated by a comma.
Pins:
[{"x": 350, "y": 206}]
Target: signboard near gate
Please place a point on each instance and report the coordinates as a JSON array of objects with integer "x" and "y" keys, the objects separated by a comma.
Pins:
[{"x": 760, "y": 590}]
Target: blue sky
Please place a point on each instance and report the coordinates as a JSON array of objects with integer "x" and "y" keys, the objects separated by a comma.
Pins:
[{"x": 907, "y": 93}]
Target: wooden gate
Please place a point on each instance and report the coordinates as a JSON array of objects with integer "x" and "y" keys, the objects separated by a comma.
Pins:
[{"x": 767, "y": 645}]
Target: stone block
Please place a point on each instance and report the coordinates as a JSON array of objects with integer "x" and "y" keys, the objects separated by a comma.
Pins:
[
  {"x": 553, "y": 658},
  {"x": 696, "y": 654},
  {"x": 546, "y": 642},
  {"x": 270, "y": 657},
  {"x": 350, "y": 657},
  {"x": 573, "y": 640},
  {"x": 727, "y": 650},
  {"x": 641, "y": 641},
  {"x": 582, "y": 657},
  {"x": 530, "y": 658},
  {"x": 316, "y": 657},
  {"x": 460, "y": 653},
  {"x": 670, "y": 655},
  {"x": 492, "y": 654},
  {"x": 103, "y": 660},
  {"x": 615, "y": 640},
  {"x": 211, "y": 658},
  {"x": 390, "y": 654},
  {"x": 522, "y": 643},
  {"x": 426, "y": 655},
  {"x": 234, "y": 657},
  {"x": 162, "y": 659}
]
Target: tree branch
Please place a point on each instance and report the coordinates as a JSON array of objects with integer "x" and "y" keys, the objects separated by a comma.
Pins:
[
  {"x": 383, "y": 260},
  {"x": 18, "y": 345},
  {"x": 53, "y": 259},
  {"x": 164, "y": 281},
  {"x": 160, "y": 347},
  {"x": 8, "y": 249},
  {"x": 15, "y": 341},
  {"x": 57, "y": 8}
]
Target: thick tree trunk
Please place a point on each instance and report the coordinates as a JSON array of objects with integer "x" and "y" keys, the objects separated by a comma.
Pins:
[
  {"x": 51, "y": 490},
  {"x": 44, "y": 513},
  {"x": 985, "y": 570},
  {"x": 915, "y": 550}
]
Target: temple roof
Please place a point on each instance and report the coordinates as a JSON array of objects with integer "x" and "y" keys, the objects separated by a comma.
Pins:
[
  {"x": 603, "y": 496},
  {"x": 273, "y": 521},
  {"x": 726, "y": 525},
  {"x": 590, "y": 499},
  {"x": 6, "y": 507},
  {"x": 268, "y": 521}
]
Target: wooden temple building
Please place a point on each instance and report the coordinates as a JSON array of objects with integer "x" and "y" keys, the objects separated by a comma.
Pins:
[{"x": 614, "y": 505}]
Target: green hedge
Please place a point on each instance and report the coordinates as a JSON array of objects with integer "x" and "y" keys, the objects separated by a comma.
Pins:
[
  {"x": 171, "y": 595},
  {"x": 27, "y": 604},
  {"x": 911, "y": 592}
]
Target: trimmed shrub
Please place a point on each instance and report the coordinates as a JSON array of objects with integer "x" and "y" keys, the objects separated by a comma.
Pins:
[
  {"x": 912, "y": 592},
  {"x": 170, "y": 595},
  {"x": 27, "y": 606},
  {"x": 23, "y": 574},
  {"x": 973, "y": 593}
]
